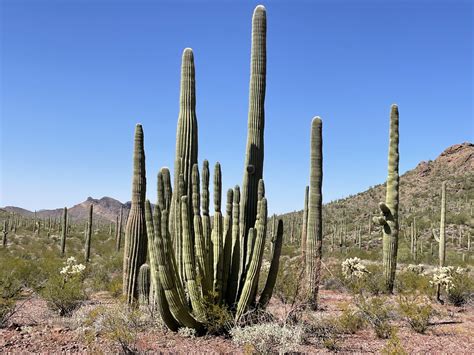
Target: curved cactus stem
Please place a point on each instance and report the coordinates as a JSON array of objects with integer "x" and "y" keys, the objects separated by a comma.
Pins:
[
  {"x": 247, "y": 296},
  {"x": 159, "y": 294},
  {"x": 274, "y": 265},
  {"x": 189, "y": 264}
]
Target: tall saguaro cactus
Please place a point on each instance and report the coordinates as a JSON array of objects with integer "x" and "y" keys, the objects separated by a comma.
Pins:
[
  {"x": 64, "y": 232},
  {"x": 135, "y": 249},
  {"x": 388, "y": 218},
  {"x": 87, "y": 250},
  {"x": 315, "y": 225},
  {"x": 253, "y": 170}
]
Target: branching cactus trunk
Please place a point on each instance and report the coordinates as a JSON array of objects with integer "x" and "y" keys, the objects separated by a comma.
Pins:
[
  {"x": 315, "y": 231},
  {"x": 64, "y": 232},
  {"x": 87, "y": 248},
  {"x": 388, "y": 218},
  {"x": 135, "y": 249}
]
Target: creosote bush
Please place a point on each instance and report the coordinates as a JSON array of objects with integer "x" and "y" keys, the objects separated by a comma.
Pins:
[
  {"x": 350, "y": 320},
  {"x": 417, "y": 311},
  {"x": 377, "y": 312}
]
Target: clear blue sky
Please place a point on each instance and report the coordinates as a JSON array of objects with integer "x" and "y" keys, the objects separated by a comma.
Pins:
[{"x": 76, "y": 76}]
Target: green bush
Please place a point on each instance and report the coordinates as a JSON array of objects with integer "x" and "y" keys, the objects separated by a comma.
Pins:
[
  {"x": 417, "y": 311},
  {"x": 63, "y": 291},
  {"x": 408, "y": 281},
  {"x": 377, "y": 312},
  {"x": 10, "y": 290},
  {"x": 350, "y": 321}
]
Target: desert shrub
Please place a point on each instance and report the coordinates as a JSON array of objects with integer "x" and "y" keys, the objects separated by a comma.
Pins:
[
  {"x": 115, "y": 286},
  {"x": 63, "y": 291},
  {"x": 350, "y": 321},
  {"x": 289, "y": 285},
  {"x": 269, "y": 338},
  {"x": 377, "y": 313},
  {"x": 360, "y": 278},
  {"x": 119, "y": 324},
  {"x": 10, "y": 290},
  {"x": 417, "y": 311},
  {"x": 325, "y": 330},
  {"x": 413, "y": 281},
  {"x": 456, "y": 283},
  {"x": 393, "y": 346},
  {"x": 218, "y": 317}
]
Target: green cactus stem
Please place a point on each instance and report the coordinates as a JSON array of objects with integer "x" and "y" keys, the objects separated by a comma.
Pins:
[
  {"x": 64, "y": 232},
  {"x": 144, "y": 285},
  {"x": 135, "y": 249},
  {"x": 253, "y": 168},
  {"x": 87, "y": 249},
  {"x": 315, "y": 232},
  {"x": 388, "y": 218}
]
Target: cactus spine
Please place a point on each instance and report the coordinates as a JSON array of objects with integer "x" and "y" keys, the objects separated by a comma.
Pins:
[
  {"x": 118, "y": 237},
  {"x": 388, "y": 218},
  {"x": 315, "y": 231},
  {"x": 135, "y": 233},
  {"x": 64, "y": 232},
  {"x": 87, "y": 251},
  {"x": 253, "y": 169}
]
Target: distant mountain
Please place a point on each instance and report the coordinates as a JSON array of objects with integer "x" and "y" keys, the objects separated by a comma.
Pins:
[
  {"x": 105, "y": 209},
  {"x": 419, "y": 195}
]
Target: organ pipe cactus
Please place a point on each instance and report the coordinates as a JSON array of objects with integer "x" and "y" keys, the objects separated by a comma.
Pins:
[
  {"x": 388, "y": 218},
  {"x": 135, "y": 249},
  {"x": 186, "y": 149},
  {"x": 193, "y": 263},
  {"x": 253, "y": 168},
  {"x": 87, "y": 249},
  {"x": 315, "y": 231},
  {"x": 64, "y": 232}
]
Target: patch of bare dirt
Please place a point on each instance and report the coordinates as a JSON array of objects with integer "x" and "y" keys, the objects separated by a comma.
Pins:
[{"x": 35, "y": 329}]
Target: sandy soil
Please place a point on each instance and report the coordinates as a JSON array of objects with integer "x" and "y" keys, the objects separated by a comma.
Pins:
[{"x": 35, "y": 329}]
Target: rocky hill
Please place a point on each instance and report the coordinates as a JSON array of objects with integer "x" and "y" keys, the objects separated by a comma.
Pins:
[
  {"x": 420, "y": 195},
  {"x": 105, "y": 209}
]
